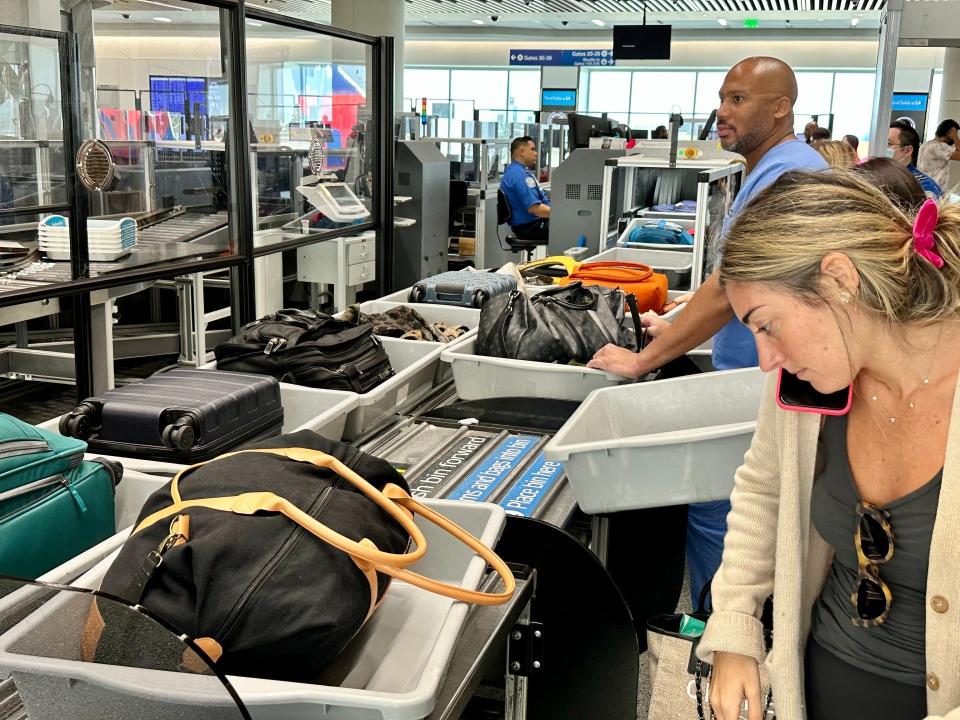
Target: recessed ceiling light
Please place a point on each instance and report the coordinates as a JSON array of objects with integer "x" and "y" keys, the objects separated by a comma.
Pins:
[
  {"x": 254, "y": 23},
  {"x": 854, "y": 22},
  {"x": 163, "y": 19},
  {"x": 598, "y": 22},
  {"x": 722, "y": 22},
  {"x": 476, "y": 21},
  {"x": 167, "y": 5}
]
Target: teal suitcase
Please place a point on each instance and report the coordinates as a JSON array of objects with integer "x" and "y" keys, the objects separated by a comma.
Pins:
[{"x": 53, "y": 504}]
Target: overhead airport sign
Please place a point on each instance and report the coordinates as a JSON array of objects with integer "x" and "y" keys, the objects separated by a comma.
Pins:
[{"x": 572, "y": 58}]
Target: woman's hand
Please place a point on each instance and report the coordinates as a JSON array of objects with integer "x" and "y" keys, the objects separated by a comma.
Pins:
[{"x": 735, "y": 678}]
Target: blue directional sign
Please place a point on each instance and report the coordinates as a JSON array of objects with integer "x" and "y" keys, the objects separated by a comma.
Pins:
[
  {"x": 525, "y": 496},
  {"x": 571, "y": 58},
  {"x": 494, "y": 469}
]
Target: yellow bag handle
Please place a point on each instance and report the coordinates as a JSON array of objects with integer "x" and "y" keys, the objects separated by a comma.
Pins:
[
  {"x": 394, "y": 500},
  {"x": 568, "y": 264}
]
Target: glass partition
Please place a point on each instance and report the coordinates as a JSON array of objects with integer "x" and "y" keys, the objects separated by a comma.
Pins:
[
  {"x": 310, "y": 99},
  {"x": 161, "y": 114},
  {"x": 476, "y": 161}
]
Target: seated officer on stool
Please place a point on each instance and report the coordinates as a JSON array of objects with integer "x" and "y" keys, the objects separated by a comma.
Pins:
[{"x": 529, "y": 205}]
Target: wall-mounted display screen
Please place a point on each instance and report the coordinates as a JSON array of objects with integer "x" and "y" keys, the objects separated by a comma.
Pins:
[
  {"x": 641, "y": 42},
  {"x": 178, "y": 94},
  {"x": 558, "y": 98}
]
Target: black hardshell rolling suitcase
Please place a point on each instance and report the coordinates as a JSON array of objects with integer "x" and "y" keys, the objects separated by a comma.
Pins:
[
  {"x": 464, "y": 288},
  {"x": 179, "y": 415}
]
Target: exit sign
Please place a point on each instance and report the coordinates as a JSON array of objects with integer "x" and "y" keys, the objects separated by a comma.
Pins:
[{"x": 751, "y": 23}]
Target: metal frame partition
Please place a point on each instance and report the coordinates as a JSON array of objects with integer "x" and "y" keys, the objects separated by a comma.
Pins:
[
  {"x": 616, "y": 200},
  {"x": 44, "y": 298}
]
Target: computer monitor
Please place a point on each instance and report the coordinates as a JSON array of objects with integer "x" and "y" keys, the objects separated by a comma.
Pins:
[{"x": 584, "y": 127}]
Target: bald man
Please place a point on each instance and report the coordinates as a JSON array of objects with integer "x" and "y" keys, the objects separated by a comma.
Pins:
[{"x": 755, "y": 119}]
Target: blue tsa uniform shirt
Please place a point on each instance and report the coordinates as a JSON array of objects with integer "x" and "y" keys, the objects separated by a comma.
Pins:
[{"x": 522, "y": 190}]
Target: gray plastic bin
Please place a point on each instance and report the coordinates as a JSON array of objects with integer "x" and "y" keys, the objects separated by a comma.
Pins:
[
  {"x": 417, "y": 368},
  {"x": 478, "y": 377},
  {"x": 323, "y": 411},
  {"x": 678, "y": 267},
  {"x": 660, "y": 443},
  {"x": 637, "y": 221},
  {"x": 392, "y": 670}
]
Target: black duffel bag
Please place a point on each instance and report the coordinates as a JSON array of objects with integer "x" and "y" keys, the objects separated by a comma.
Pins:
[
  {"x": 271, "y": 559},
  {"x": 308, "y": 348},
  {"x": 563, "y": 324}
]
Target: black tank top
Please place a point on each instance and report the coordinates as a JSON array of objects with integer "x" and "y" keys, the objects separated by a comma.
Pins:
[{"x": 896, "y": 648}]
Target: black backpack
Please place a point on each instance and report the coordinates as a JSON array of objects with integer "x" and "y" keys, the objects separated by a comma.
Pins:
[{"x": 308, "y": 348}]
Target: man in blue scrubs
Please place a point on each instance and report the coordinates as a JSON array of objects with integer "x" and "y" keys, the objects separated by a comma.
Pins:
[
  {"x": 755, "y": 119},
  {"x": 529, "y": 205}
]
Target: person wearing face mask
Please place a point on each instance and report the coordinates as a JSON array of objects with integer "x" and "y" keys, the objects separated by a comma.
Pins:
[
  {"x": 847, "y": 512},
  {"x": 755, "y": 119},
  {"x": 903, "y": 145},
  {"x": 936, "y": 154}
]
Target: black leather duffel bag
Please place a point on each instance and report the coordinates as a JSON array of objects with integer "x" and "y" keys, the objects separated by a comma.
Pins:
[
  {"x": 562, "y": 324},
  {"x": 308, "y": 348},
  {"x": 272, "y": 558}
]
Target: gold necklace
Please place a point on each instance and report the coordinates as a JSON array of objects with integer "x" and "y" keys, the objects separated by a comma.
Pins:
[
  {"x": 924, "y": 381},
  {"x": 910, "y": 406}
]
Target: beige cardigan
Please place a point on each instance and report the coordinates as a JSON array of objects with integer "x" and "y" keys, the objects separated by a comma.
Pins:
[{"x": 771, "y": 543}]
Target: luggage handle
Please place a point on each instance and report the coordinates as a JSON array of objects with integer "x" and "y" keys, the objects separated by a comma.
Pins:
[
  {"x": 393, "y": 499},
  {"x": 475, "y": 597},
  {"x": 643, "y": 272},
  {"x": 253, "y": 502}
]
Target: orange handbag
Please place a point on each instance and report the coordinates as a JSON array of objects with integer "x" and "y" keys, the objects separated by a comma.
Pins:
[{"x": 648, "y": 286}]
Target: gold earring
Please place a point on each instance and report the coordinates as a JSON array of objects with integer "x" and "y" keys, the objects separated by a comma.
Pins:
[{"x": 845, "y": 297}]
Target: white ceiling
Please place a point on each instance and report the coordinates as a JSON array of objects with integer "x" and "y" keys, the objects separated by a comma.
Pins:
[{"x": 537, "y": 18}]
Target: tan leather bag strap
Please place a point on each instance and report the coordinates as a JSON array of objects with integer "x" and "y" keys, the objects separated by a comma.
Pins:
[
  {"x": 250, "y": 503},
  {"x": 394, "y": 500},
  {"x": 402, "y": 498}
]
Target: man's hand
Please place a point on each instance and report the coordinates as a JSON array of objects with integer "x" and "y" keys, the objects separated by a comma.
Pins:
[
  {"x": 653, "y": 323},
  {"x": 619, "y": 361},
  {"x": 681, "y": 299}
]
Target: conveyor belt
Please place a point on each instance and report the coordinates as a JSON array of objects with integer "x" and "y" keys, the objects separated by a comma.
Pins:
[
  {"x": 183, "y": 228},
  {"x": 180, "y": 228},
  {"x": 443, "y": 459}
]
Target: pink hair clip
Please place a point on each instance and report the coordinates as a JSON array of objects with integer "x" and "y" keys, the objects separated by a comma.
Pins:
[{"x": 923, "y": 227}]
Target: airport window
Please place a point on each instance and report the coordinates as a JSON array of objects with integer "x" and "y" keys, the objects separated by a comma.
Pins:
[
  {"x": 852, "y": 101},
  {"x": 661, "y": 92},
  {"x": 814, "y": 93},
  {"x": 609, "y": 92}
]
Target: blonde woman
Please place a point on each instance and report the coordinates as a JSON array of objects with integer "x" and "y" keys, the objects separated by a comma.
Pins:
[
  {"x": 858, "y": 539},
  {"x": 837, "y": 153}
]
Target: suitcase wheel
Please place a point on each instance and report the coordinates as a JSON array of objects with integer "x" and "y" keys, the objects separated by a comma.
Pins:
[
  {"x": 416, "y": 293},
  {"x": 79, "y": 423},
  {"x": 480, "y": 297},
  {"x": 180, "y": 435}
]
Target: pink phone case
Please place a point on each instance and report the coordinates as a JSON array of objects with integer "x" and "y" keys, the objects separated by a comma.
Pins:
[{"x": 812, "y": 410}]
